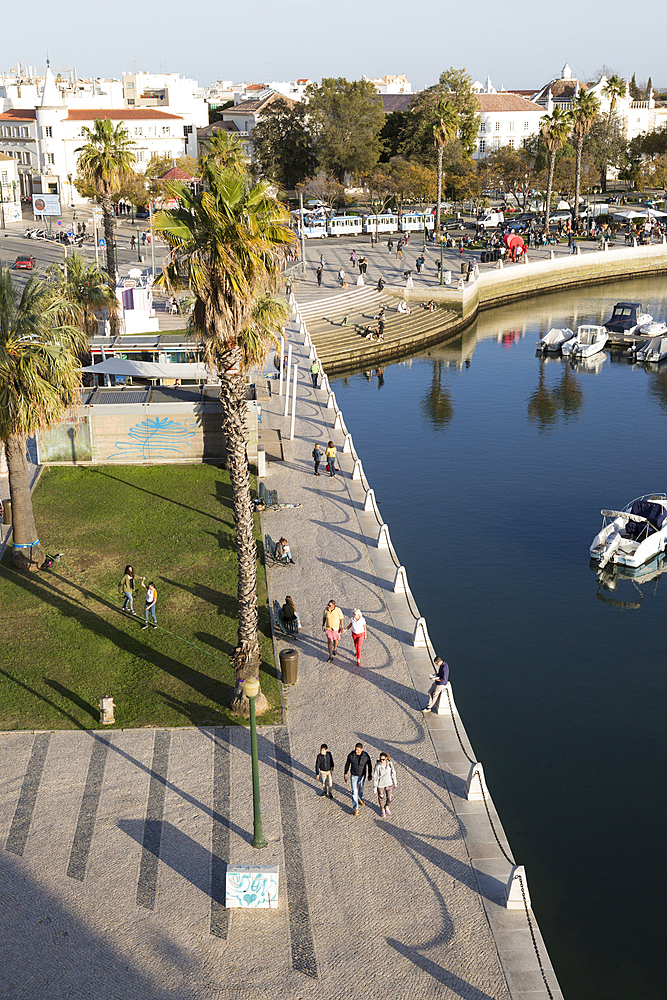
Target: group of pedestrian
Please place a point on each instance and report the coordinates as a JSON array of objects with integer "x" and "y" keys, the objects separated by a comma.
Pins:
[
  {"x": 358, "y": 769},
  {"x": 126, "y": 588},
  {"x": 329, "y": 454}
]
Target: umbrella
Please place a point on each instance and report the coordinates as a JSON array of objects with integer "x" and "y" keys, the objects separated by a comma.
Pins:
[{"x": 629, "y": 214}]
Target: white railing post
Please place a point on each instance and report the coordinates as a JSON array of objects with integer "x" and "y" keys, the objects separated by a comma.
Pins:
[
  {"x": 383, "y": 537},
  {"x": 420, "y": 634},
  {"x": 338, "y": 422},
  {"x": 513, "y": 894},
  {"x": 296, "y": 372},
  {"x": 401, "y": 581},
  {"x": 476, "y": 789},
  {"x": 347, "y": 444},
  {"x": 369, "y": 502},
  {"x": 445, "y": 704},
  {"x": 357, "y": 470}
]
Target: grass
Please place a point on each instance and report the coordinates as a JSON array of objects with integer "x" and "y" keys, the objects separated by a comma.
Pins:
[{"x": 65, "y": 641}]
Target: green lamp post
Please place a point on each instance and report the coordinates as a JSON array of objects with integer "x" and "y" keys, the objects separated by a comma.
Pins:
[{"x": 251, "y": 689}]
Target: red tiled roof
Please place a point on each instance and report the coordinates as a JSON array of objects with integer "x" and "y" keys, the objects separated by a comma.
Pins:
[
  {"x": 19, "y": 115},
  {"x": 220, "y": 126},
  {"x": 397, "y": 102},
  {"x": 505, "y": 102},
  {"x": 119, "y": 114},
  {"x": 175, "y": 174}
]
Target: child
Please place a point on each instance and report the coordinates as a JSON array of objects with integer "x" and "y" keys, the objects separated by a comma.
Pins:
[{"x": 324, "y": 766}]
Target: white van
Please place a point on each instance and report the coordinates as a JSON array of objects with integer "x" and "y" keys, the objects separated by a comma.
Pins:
[{"x": 490, "y": 220}]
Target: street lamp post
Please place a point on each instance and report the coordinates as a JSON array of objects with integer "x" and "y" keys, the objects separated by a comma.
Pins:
[
  {"x": 251, "y": 690},
  {"x": 442, "y": 277}
]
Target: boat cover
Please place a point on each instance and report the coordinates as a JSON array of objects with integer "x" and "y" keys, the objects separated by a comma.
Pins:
[
  {"x": 654, "y": 513},
  {"x": 624, "y": 317}
]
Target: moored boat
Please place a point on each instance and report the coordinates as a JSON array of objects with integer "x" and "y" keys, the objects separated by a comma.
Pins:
[
  {"x": 654, "y": 351},
  {"x": 589, "y": 339},
  {"x": 554, "y": 339},
  {"x": 632, "y": 536},
  {"x": 625, "y": 321}
]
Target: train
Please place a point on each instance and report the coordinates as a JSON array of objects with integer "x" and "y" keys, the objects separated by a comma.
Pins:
[{"x": 358, "y": 225}]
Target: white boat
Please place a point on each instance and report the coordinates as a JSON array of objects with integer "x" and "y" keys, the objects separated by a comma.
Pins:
[
  {"x": 554, "y": 339},
  {"x": 632, "y": 536},
  {"x": 655, "y": 350},
  {"x": 654, "y": 329},
  {"x": 589, "y": 340}
]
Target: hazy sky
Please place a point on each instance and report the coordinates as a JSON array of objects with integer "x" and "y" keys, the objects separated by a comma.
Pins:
[{"x": 519, "y": 44}]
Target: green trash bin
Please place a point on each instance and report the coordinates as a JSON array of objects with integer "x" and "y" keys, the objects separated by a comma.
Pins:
[{"x": 289, "y": 661}]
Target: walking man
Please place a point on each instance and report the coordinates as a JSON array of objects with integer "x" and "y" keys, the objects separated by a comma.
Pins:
[
  {"x": 440, "y": 679},
  {"x": 332, "y": 624},
  {"x": 324, "y": 765},
  {"x": 319, "y": 276},
  {"x": 359, "y": 766},
  {"x": 318, "y": 455},
  {"x": 315, "y": 371},
  {"x": 399, "y": 250}
]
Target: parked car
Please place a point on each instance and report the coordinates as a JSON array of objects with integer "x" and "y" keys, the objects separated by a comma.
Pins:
[{"x": 24, "y": 262}]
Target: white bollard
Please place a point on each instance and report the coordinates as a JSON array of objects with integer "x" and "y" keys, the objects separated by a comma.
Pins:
[
  {"x": 409, "y": 283},
  {"x": 347, "y": 444},
  {"x": 500, "y": 264},
  {"x": 280, "y": 370},
  {"x": 369, "y": 502},
  {"x": 476, "y": 789},
  {"x": 383, "y": 537},
  {"x": 420, "y": 634},
  {"x": 401, "y": 581},
  {"x": 513, "y": 894},
  {"x": 325, "y": 382},
  {"x": 331, "y": 401},
  {"x": 357, "y": 470},
  {"x": 296, "y": 372},
  {"x": 338, "y": 422},
  {"x": 287, "y": 374},
  {"x": 552, "y": 255},
  {"x": 261, "y": 462},
  {"x": 312, "y": 355},
  {"x": 445, "y": 703},
  {"x": 360, "y": 280}
]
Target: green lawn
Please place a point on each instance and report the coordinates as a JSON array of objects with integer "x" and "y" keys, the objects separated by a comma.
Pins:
[{"x": 65, "y": 642}]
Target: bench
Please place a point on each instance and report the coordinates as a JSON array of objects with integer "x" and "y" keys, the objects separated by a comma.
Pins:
[
  {"x": 268, "y": 496},
  {"x": 289, "y": 628},
  {"x": 270, "y": 551}
]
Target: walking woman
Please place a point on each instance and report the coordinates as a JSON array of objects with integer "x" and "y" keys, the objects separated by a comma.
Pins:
[
  {"x": 330, "y": 455},
  {"x": 126, "y": 587},
  {"x": 384, "y": 783},
  {"x": 358, "y": 626}
]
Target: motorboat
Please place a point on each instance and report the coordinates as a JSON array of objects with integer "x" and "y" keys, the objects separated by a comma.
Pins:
[
  {"x": 654, "y": 350},
  {"x": 626, "y": 319},
  {"x": 654, "y": 329},
  {"x": 554, "y": 339},
  {"x": 588, "y": 341},
  {"x": 632, "y": 536}
]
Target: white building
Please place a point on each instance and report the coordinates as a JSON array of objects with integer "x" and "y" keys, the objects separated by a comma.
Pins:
[
  {"x": 388, "y": 84},
  {"x": 165, "y": 91},
  {"x": 505, "y": 120},
  {"x": 43, "y": 140},
  {"x": 10, "y": 191}
]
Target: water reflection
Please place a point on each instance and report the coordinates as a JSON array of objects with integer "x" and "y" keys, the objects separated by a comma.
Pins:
[
  {"x": 546, "y": 404},
  {"x": 635, "y": 584},
  {"x": 657, "y": 387},
  {"x": 436, "y": 405}
]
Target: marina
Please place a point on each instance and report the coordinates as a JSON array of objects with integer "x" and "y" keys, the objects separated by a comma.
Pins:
[{"x": 561, "y": 689}]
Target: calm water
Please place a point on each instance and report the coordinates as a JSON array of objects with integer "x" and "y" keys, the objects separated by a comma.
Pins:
[{"x": 492, "y": 468}]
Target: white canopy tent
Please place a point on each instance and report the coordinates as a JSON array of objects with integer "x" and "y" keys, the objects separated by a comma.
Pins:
[{"x": 149, "y": 369}]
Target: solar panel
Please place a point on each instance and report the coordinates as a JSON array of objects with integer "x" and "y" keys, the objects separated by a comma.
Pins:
[{"x": 110, "y": 397}]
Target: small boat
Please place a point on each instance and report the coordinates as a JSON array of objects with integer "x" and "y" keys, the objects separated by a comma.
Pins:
[
  {"x": 626, "y": 319},
  {"x": 654, "y": 350},
  {"x": 589, "y": 340},
  {"x": 632, "y": 536},
  {"x": 654, "y": 329},
  {"x": 554, "y": 339}
]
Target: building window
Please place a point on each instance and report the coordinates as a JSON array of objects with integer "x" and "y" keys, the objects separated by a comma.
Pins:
[
  {"x": 166, "y": 130},
  {"x": 24, "y": 132},
  {"x": 526, "y": 126},
  {"x": 496, "y": 143},
  {"x": 482, "y": 126},
  {"x": 130, "y": 86},
  {"x": 482, "y": 145},
  {"x": 48, "y": 131},
  {"x": 187, "y": 130},
  {"x": 511, "y": 126},
  {"x": 140, "y": 156},
  {"x": 497, "y": 126},
  {"x": 27, "y": 158},
  {"x": 4, "y": 176},
  {"x": 138, "y": 130},
  {"x": 130, "y": 100},
  {"x": 510, "y": 143},
  {"x": 50, "y": 159}
]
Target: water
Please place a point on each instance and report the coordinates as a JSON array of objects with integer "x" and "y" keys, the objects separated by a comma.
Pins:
[{"x": 492, "y": 468}]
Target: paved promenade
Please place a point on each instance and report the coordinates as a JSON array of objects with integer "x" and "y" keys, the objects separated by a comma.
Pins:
[{"x": 113, "y": 844}]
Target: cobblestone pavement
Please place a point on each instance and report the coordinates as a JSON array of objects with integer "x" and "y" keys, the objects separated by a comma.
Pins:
[{"x": 113, "y": 844}]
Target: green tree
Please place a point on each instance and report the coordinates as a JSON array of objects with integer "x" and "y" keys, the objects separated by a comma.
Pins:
[
  {"x": 283, "y": 146},
  {"x": 393, "y": 134},
  {"x": 226, "y": 245},
  {"x": 512, "y": 170},
  {"x": 607, "y": 145},
  {"x": 83, "y": 293},
  {"x": 456, "y": 86},
  {"x": 346, "y": 119},
  {"x": 412, "y": 182},
  {"x": 585, "y": 109},
  {"x": 40, "y": 376},
  {"x": 104, "y": 162},
  {"x": 635, "y": 93},
  {"x": 554, "y": 129}
]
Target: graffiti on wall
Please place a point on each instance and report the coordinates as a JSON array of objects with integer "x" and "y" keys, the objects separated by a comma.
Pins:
[{"x": 156, "y": 438}]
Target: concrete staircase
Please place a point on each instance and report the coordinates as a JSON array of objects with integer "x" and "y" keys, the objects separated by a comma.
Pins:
[{"x": 338, "y": 322}]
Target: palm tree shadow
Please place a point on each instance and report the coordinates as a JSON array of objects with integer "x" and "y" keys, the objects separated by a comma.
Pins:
[
  {"x": 73, "y": 697},
  {"x": 97, "y": 471},
  {"x": 47, "y": 701}
]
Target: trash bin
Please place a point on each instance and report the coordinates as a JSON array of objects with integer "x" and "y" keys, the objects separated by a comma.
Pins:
[
  {"x": 289, "y": 661},
  {"x": 7, "y": 511},
  {"x": 464, "y": 267}
]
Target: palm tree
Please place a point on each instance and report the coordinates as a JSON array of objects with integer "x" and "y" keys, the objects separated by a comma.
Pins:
[
  {"x": 554, "y": 128},
  {"x": 226, "y": 243},
  {"x": 85, "y": 293},
  {"x": 226, "y": 149},
  {"x": 585, "y": 109},
  {"x": 614, "y": 88},
  {"x": 105, "y": 161},
  {"x": 40, "y": 375},
  {"x": 444, "y": 131}
]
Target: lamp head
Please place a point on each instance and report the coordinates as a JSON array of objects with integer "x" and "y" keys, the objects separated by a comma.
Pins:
[{"x": 251, "y": 687}]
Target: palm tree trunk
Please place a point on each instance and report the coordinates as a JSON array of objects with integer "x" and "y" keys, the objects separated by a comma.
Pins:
[
  {"x": 109, "y": 239},
  {"x": 550, "y": 181},
  {"x": 23, "y": 519},
  {"x": 437, "y": 211},
  {"x": 577, "y": 181},
  {"x": 246, "y": 657}
]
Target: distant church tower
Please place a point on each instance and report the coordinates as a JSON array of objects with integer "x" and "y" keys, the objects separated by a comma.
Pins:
[{"x": 53, "y": 169}]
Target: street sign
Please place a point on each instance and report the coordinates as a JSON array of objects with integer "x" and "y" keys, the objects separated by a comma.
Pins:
[{"x": 102, "y": 242}]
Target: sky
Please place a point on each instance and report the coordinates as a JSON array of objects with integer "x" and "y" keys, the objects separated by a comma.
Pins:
[{"x": 519, "y": 44}]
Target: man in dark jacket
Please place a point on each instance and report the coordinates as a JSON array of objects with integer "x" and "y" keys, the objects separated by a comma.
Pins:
[
  {"x": 324, "y": 766},
  {"x": 440, "y": 679},
  {"x": 359, "y": 765}
]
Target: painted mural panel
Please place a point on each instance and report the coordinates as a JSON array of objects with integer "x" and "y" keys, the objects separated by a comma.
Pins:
[{"x": 68, "y": 441}]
